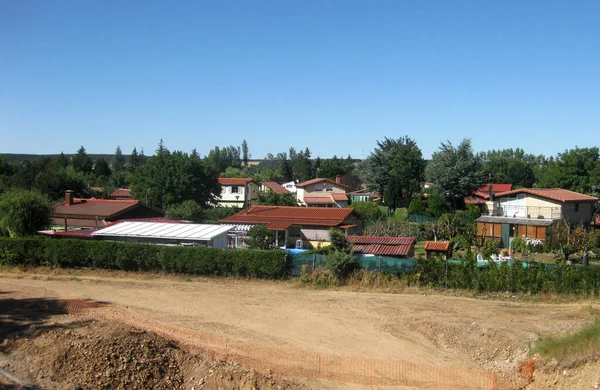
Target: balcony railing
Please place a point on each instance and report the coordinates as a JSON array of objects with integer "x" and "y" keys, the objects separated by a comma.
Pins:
[{"x": 527, "y": 212}]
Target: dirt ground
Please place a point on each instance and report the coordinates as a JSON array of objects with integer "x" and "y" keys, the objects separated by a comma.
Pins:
[{"x": 418, "y": 327}]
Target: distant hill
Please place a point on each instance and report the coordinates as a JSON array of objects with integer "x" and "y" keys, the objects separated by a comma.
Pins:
[{"x": 17, "y": 158}]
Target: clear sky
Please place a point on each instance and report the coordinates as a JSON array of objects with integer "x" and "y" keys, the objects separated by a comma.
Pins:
[{"x": 335, "y": 76}]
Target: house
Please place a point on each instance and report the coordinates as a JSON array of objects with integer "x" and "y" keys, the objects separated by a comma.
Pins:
[
  {"x": 87, "y": 233},
  {"x": 443, "y": 248},
  {"x": 364, "y": 195},
  {"x": 291, "y": 224},
  {"x": 271, "y": 186},
  {"x": 212, "y": 236},
  {"x": 403, "y": 247},
  {"x": 322, "y": 193},
  {"x": 486, "y": 193},
  {"x": 121, "y": 193},
  {"x": 528, "y": 212},
  {"x": 95, "y": 213},
  {"x": 290, "y": 186},
  {"x": 237, "y": 192}
]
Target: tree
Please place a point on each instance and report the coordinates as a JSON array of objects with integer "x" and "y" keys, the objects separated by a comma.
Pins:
[
  {"x": 368, "y": 210},
  {"x": 568, "y": 240},
  {"x": 416, "y": 207},
  {"x": 24, "y": 212},
  {"x": 393, "y": 194},
  {"x": 118, "y": 176},
  {"x": 82, "y": 162},
  {"x": 101, "y": 168},
  {"x": 245, "y": 153},
  {"x": 135, "y": 160},
  {"x": 455, "y": 171},
  {"x": 187, "y": 210},
  {"x": 401, "y": 158},
  {"x": 61, "y": 161},
  {"x": 436, "y": 204},
  {"x": 274, "y": 199},
  {"x": 338, "y": 239},
  {"x": 510, "y": 166},
  {"x": 341, "y": 264},
  {"x": 259, "y": 237},
  {"x": 576, "y": 170},
  {"x": 171, "y": 178}
]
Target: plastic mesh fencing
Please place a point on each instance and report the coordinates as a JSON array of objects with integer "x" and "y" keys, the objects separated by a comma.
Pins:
[
  {"x": 269, "y": 359},
  {"x": 371, "y": 263}
]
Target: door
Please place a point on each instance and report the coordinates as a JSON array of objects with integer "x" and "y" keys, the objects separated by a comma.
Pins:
[{"x": 505, "y": 234}]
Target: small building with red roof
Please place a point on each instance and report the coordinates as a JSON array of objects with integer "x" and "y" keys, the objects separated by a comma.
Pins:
[
  {"x": 237, "y": 192},
  {"x": 310, "y": 225},
  {"x": 442, "y": 248},
  {"x": 97, "y": 213},
  {"x": 322, "y": 192},
  {"x": 403, "y": 247},
  {"x": 272, "y": 186},
  {"x": 121, "y": 193}
]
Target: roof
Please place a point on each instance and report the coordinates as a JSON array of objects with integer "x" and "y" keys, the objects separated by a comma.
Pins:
[
  {"x": 437, "y": 246},
  {"x": 275, "y": 187},
  {"x": 381, "y": 240},
  {"x": 484, "y": 192},
  {"x": 382, "y": 246},
  {"x": 364, "y": 192},
  {"x": 276, "y": 216},
  {"x": 338, "y": 196},
  {"x": 318, "y": 200},
  {"x": 101, "y": 208},
  {"x": 557, "y": 194},
  {"x": 475, "y": 200},
  {"x": 163, "y": 230},
  {"x": 516, "y": 221},
  {"x": 121, "y": 193},
  {"x": 83, "y": 233},
  {"x": 318, "y": 180},
  {"x": 234, "y": 181},
  {"x": 382, "y": 250}
]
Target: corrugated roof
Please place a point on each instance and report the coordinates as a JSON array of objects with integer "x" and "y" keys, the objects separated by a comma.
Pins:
[
  {"x": 318, "y": 180},
  {"x": 191, "y": 232},
  {"x": 552, "y": 193},
  {"x": 234, "y": 181},
  {"x": 275, "y": 187},
  {"x": 516, "y": 221},
  {"x": 441, "y": 246},
  {"x": 382, "y": 250},
  {"x": 381, "y": 240},
  {"x": 308, "y": 216}
]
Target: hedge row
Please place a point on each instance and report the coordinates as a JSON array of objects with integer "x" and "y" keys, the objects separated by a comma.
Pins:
[
  {"x": 142, "y": 257},
  {"x": 533, "y": 279}
]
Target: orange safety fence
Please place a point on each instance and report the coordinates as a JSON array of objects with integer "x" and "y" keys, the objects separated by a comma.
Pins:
[{"x": 284, "y": 361}]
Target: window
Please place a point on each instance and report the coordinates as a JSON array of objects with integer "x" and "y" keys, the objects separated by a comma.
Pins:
[
  {"x": 319, "y": 188},
  {"x": 234, "y": 190},
  {"x": 576, "y": 206},
  {"x": 329, "y": 188}
]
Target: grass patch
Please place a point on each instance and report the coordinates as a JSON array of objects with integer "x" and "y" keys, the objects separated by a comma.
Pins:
[{"x": 578, "y": 346}]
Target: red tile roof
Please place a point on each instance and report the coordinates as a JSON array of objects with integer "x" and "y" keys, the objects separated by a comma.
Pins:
[
  {"x": 382, "y": 246},
  {"x": 234, "y": 181},
  {"x": 483, "y": 192},
  {"x": 100, "y": 208},
  {"x": 557, "y": 194},
  {"x": 337, "y": 196},
  {"x": 275, "y": 187},
  {"x": 121, "y": 193},
  {"x": 319, "y": 180},
  {"x": 475, "y": 200},
  {"x": 304, "y": 216},
  {"x": 318, "y": 200},
  {"x": 381, "y": 240},
  {"x": 437, "y": 246},
  {"x": 83, "y": 233},
  {"x": 382, "y": 250}
]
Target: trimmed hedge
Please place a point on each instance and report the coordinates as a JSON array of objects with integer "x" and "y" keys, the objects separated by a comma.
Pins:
[
  {"x": 269, "y": 264},
  {"x": 534, "y": 278}
]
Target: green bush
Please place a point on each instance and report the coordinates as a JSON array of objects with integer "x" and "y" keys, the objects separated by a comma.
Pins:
[
  {"x": 142, "y": 257},
  {"x": 341, "y": 264}
]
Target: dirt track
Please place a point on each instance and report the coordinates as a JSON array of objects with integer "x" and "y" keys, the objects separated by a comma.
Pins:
[{"x": 434, "y": 329}]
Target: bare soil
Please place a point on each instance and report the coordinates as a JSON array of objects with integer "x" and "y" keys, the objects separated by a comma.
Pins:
[{"x": 419, "y": 327}]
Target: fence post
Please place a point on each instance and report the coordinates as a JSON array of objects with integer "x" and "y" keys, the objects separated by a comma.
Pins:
[
  {"x": 379, "y": 263},
  {"x": 314, "y": 260},
  {"x": 446, "y": 271}
]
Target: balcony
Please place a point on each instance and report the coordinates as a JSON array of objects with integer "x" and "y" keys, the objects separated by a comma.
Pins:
[{"x": 527, "y": 212}]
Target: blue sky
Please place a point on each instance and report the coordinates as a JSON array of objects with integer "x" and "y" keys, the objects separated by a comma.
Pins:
[{"x": 335, "y": 76}]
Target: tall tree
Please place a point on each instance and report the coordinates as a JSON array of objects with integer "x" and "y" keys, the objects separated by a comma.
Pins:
[
  {"x": 82, "y": 162},
  {"x": 61, "y": 161},
  {"x": 134, "y": 160},
  {"x": 245, "y": 153},
  {"x": 576, "y": 170},
  {"x": 23, "y": 212},
  {"x": 118, "y": 162},
  {"x": 393, "y": 194},
  {"x": 172, "y": 178},
  {"x": 101, "y": 168},
  {"x": 510, "y": 166},
  {"x": 455, "y": 171}
]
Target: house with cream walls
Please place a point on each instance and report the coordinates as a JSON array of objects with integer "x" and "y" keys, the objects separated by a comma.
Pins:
[
  {"x": 237, "y": 192},
  {"x": 322, "y": 193}
]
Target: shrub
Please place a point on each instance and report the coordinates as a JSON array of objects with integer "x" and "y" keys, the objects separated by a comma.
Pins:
[
  {"x": 341, "y": 264},
  {"x": 490, "y": 248}
]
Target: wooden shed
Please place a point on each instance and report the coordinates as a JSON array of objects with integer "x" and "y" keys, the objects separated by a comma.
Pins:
[{"x": 442, "y": 248}]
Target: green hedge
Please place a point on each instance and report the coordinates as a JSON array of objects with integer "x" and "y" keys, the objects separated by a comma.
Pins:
[
  {"x": 142, "y": 257},
  {"x": 531, "y": 278}
]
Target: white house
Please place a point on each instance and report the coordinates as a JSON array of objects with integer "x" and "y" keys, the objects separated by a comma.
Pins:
[
  {"x": 237, "y": 191},
  {"x": 322, "y": 193},
  {"x": 290, "y": 186}
]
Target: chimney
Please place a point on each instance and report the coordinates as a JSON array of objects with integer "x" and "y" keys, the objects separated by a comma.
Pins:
[
  {"x": 68, "y": 197},
  {"x": 338, "y": 179}
]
